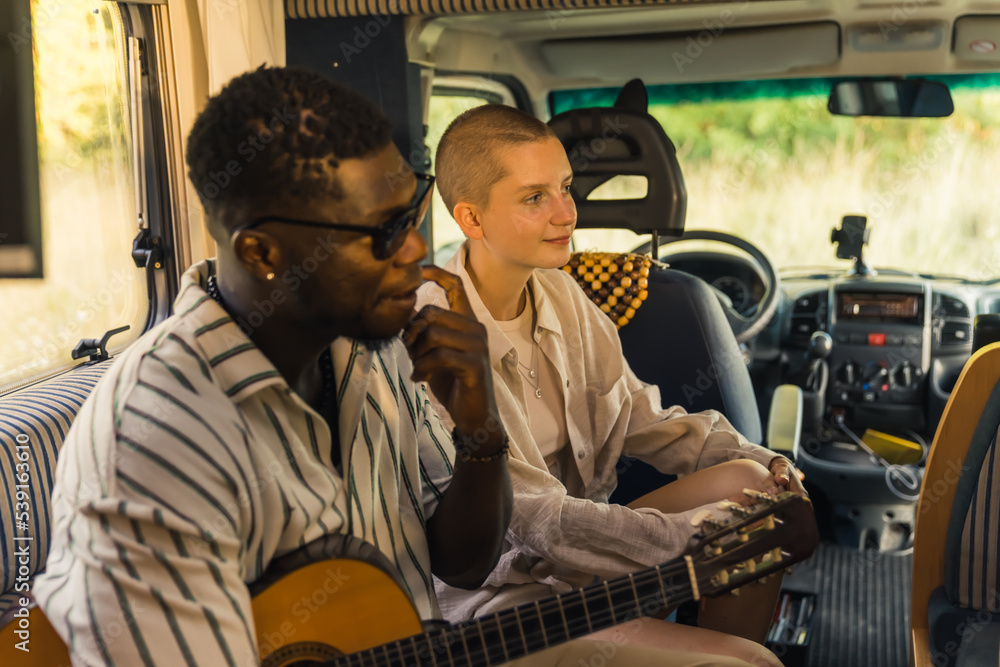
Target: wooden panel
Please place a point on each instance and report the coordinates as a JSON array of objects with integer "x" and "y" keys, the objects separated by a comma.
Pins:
[{"x": 937, "y": 495}]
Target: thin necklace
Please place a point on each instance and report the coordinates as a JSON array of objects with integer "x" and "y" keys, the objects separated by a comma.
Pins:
[
  {"x": 533, "y": 378},
  {"x": 328, "y": 397}
]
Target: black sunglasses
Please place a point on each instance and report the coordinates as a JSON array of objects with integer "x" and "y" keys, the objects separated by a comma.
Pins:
[{"x": 388, "y": 237}]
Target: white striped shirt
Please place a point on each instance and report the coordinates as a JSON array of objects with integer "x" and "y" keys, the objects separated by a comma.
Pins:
[{"x": 193, "y": 465}]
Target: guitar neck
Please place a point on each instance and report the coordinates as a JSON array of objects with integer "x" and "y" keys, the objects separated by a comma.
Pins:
[{"x": 517, "y": 632}]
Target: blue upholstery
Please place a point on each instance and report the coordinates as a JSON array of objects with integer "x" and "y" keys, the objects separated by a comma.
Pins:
[
  {"x": 983, "y": 650},
  {"x": 38, "y": 416},
  {"x": 682, "y": 341}
]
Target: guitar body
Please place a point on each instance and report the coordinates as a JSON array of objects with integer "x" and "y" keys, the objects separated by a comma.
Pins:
[
  {"x": 46, "y": 646},
  {"x": 330, "y": 608},
  {"x": 336, "y": 596}
]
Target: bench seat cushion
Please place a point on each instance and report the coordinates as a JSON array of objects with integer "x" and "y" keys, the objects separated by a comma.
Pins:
[{"x": 37, "y": 417}]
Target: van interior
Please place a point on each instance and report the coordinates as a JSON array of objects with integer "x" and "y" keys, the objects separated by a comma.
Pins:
[{"x": 820, "y": 173}]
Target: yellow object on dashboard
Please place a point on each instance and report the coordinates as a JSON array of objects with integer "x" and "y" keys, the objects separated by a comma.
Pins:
[{"x": 893, "y": 449}]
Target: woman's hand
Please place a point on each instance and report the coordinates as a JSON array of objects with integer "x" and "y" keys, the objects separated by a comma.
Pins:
[{"x": 786, "y": 477}]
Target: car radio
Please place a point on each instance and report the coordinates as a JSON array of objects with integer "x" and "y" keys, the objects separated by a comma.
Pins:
[{"x": 881, "y": 350}]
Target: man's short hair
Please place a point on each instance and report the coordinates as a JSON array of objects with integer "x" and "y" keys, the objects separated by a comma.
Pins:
[
  {"x": 276, "y": 136},
  {"x": 469, "y": 156}
]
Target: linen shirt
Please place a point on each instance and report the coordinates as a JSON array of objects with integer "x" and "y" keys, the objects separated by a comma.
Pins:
[
  {"x": 563, "y": 531},
  {"x": 193, "y": 465}
]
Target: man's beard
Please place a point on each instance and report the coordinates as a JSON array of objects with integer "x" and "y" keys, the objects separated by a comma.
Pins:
[{"x": 376, "y": 344}]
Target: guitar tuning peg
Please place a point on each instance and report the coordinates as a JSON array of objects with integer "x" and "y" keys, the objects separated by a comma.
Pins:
[
  {"x": 759, "y": 496},
  {"x": 734, "y": 508},
  {"x": 721, "y": 579},
  {"x": 699, "y": 517},
  {"x": 706, "y": 520}
]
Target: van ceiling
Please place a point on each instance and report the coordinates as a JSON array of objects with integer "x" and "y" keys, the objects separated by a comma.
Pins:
[{"x": 579, "y": 48}]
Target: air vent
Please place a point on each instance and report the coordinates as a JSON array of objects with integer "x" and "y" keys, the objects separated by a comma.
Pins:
[
  {"x": 807, "y": 303},
  {"x": 808, "y": 316},
  {"x": 956, "y": 333},
  {"x": 951, "y": 307}
]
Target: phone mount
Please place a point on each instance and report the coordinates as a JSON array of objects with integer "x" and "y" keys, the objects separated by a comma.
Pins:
[{"x": 851, "y": 239}]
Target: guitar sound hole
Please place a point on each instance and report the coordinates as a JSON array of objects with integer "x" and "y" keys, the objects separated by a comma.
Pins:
[{"x": 301, "y": 654}]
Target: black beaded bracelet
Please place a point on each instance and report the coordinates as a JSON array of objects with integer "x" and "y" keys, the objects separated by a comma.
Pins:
[{"x": 463, "y": 452}]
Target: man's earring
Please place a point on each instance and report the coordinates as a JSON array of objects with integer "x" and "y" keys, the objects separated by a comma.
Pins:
[{"x": 270, "y": 275}]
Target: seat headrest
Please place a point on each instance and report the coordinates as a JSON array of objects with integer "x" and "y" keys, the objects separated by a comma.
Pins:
[{"x": 604, "y": 142}]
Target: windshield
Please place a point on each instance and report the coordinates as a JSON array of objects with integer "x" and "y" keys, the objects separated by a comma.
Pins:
[{"x": 766, "y": 161}]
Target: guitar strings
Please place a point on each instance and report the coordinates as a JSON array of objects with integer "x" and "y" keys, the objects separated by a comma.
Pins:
[{"x": 575, "y": 625}]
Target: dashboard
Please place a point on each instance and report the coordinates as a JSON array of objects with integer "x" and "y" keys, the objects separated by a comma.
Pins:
[{"x": 899, "y": 342}]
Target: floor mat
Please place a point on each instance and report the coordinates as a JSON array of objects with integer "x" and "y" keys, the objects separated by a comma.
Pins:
[{"x": 862, "y": 615}]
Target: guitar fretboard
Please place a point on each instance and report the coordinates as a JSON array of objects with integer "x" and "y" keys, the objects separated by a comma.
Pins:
[{"x": 514, "y": 633}]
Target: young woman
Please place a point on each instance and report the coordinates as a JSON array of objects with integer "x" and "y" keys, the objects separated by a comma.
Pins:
[{"x": 572, "y": 405}]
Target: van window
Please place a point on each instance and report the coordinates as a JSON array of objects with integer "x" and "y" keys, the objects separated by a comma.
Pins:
[
  {"x": 445, "y": 107},
  {"x": 89, "y": 214}
]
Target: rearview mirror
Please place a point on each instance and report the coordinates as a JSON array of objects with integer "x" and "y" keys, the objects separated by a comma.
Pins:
[{"x": 906, "y": 98}]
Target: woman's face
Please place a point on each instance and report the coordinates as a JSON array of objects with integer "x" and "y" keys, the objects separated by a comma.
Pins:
[{"x": 530, "y": 215}]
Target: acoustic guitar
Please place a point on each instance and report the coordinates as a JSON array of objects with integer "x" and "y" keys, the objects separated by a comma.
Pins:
[{"x": 338, "y": 602}]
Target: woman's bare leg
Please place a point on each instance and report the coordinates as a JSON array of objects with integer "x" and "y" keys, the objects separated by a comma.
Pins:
[
  {"x": 666, "y": 635},
  {"x": 749, "y": 615}
]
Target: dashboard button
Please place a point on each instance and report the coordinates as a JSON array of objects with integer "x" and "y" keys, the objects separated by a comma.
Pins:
[
  {"x": 859, "y": 339},
  {"x": 842, "y": 337},
  {"x": 894, "y": 339},
  {"x": 876, "y": 339},
  {"x": 913, "y": 339},
  {"x": 869, "y": 396}
]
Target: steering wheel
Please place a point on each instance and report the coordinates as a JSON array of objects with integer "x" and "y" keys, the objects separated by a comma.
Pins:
[{"x": 744, "y": 328}]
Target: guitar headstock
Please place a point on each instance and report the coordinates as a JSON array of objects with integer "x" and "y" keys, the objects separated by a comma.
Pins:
[{"x": 780, "y": 529}]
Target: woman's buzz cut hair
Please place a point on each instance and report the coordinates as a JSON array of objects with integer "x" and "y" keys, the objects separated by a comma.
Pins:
[{"x": 469, "y": 163}]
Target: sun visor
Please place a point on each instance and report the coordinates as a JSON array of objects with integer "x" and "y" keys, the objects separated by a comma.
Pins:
[
  {"x": 977, "y": 38},
  {"x": 714, "y": 51}
]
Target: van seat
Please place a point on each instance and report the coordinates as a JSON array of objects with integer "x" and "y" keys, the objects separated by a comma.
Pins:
[{"x": 38, "y": 416}]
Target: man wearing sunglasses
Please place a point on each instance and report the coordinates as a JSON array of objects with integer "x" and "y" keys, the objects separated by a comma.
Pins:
[{"x": 269, "y": 412}]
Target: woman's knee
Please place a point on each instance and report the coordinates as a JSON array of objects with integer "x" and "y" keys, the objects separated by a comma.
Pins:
[
  {"x": 758, "y": 656},
  {"x": 745, "y": 474}
]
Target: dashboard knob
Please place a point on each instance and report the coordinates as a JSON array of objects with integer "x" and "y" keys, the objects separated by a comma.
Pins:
[
  {"x": 849, "y": 373},
  {"x": 902, "y": 375},
  {"x": 876, "y": 375}
]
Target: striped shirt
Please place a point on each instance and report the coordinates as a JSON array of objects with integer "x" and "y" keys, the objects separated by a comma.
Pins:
[{"x": 193, "y": 465}]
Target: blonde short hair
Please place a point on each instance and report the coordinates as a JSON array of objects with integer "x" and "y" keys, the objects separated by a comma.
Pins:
[{"x": 468, "y": 162}]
